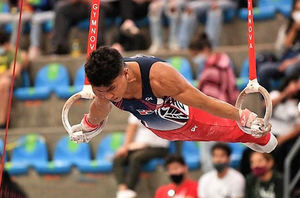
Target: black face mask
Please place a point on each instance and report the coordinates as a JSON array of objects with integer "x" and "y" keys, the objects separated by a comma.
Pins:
[
  {"x": 220, "y": 166},
  {"x": 177, "y": 179}
]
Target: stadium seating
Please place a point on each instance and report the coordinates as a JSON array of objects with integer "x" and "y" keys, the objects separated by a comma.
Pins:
[
  {"x": 229, "y": 15},
  {"x": 105, "y": 153},
  {"x": 67, "y": 91},
  {"x": 4, "y": 8},
  {"x": 282, "y": 6},
  {"x": 71, "y": 154},
  {"x": 243, "y": 79},
  {"x": 182, "y": 65},
  {"x": 48, "y": 79},
  {"x": 259, "y": 13},
  {"x": 190, "y": 152},
  {"x": 266, "y": 9},
  {"x": 30, "y": 151},
  {"x": 37, "y": 3},
  {"x": 67, "y": 154},
  {"x": 236, "y": 155},
  {"x": 1, "y": 150}
]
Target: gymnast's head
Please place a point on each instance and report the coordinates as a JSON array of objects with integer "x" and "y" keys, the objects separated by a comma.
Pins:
[{"x": 107, "y": 73}]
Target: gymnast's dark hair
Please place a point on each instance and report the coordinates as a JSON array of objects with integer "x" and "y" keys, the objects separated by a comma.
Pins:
[
  {"x": 103, "y": 66},
  {"x": 223, "y": 147}
]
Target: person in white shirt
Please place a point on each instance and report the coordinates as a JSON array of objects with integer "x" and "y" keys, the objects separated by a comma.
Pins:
[
  {"x": 140, "y": 146},
  {"x": 223, "y": 182}
]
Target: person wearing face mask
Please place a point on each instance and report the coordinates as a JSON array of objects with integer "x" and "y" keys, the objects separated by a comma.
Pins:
[
  {"x": 181, "y": 186},
  {"x": 6, "y": 71},
  {"x": 263, "y": 182},
  {"x": 140, "y": 146},
  {"x": 223, "y": 182}
]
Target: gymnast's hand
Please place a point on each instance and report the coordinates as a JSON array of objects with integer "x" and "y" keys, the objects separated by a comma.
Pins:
[
  {"x": 255, "y": 125},
  {"x": 85, "y": 131}
]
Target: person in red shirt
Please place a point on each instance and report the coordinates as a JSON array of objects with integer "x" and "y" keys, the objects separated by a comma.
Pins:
[{"x": 181, "y": 186}]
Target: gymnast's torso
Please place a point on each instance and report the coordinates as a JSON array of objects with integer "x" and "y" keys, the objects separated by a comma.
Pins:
[{"x": 156, "y": 113}]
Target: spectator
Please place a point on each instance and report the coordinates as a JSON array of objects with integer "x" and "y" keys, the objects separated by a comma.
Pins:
[
  {"x": 224, "y": 181},
  {"x": 181, "y": 186},
  {"x": 290, "y": 58},
  {"x": 139, "y": 147},
  {"x": 214, "y": 14},
  {"x": 6, "y": 70},
  {"x": 200, "y": 48},
  {"x": 264, "y": 182},
  {"x": 130, "y": 37},
  {"x": 172, "y": 10},
  {"x": 65, "y": 19},
  {"x": 286, "y": 121},
  {"x": 36, "y": 13}
]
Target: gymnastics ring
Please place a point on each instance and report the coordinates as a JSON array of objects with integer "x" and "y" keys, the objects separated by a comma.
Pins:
[
  {"x": 254, "y": 87},
  {"x": 86, "y": 93}
]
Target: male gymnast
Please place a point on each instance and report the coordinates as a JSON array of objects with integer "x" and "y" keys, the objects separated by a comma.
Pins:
[{"x": 154, "y": 92}]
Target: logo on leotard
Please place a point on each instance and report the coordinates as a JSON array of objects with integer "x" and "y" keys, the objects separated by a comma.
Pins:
[
  {"x": 148, "y": 98},
  {"x": 145, "y": 112},
  {"x": 174, "y": 111}
]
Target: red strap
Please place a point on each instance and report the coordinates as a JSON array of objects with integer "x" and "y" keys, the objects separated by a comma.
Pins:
[
  {"x": 93, "y": 31},
  {"x": 11, "y": 93},
  {"x": 86, "y": 121},
  {"x": 251, "y": 43}
]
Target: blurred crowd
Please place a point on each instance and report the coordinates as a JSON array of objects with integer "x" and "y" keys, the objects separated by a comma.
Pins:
[
  {"x": 181, "y": 17},
  {"x": 260, "y": 175},
  {"x": 262, "y": 180}
]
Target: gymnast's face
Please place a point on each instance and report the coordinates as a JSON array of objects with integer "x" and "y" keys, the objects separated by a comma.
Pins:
[{"x": 116, "y": 90}]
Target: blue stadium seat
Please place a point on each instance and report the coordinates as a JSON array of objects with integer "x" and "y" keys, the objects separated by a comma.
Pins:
[
  {"x": 47, "y": 80},
  {"x": 25, "y": 80},
  {"x": 71, "y": 154},
  {"x": 1, "y": 150},
  {"x": 151, "y": 165},
  {"x": 282, "y": 6},
  {"x": 243, "y": 79},
  {"x": 37, "y": 3},
  {"x": 259, "y": 13},
  {"x": 67, "y": 154},
  {"x": 229, "y": 15},
  {"x": 183, "y": 66},
  {"x": 67, "y": 91},
  {"x": 31, "y": 151},
  {"x": 4, "y": 8},
  {"x": 236, "y": 155},
  {"x": 105, "y": 153},
  {"x": 190, "y": 152}
]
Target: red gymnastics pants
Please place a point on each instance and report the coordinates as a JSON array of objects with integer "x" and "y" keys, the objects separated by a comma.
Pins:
[{"x": 203, "y": 126}]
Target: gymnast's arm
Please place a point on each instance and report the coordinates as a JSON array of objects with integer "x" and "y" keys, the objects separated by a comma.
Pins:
[
  {"x": 99, "y": 110},
  {"x": 166, "y": 81}
]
